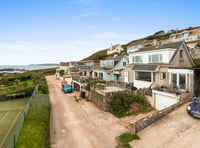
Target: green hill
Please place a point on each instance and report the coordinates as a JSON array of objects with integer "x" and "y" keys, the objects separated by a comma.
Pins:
[{"x": 99, "y": 55}]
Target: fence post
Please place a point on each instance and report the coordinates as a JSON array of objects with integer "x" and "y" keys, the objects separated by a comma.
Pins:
[{"x": 14, "y": 141}]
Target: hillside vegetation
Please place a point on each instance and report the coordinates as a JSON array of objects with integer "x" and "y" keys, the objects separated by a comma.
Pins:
[
  {"x": 99, "y": 55},
  {"x": 24, "y": 83}
]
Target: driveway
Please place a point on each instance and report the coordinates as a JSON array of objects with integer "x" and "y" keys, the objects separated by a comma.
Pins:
[
  {"x": 79, "y": 125},
  {"x": 176, "y": 130}
]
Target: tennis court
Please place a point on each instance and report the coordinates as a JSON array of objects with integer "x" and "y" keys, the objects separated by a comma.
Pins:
[{"x": 10, "y": 113}]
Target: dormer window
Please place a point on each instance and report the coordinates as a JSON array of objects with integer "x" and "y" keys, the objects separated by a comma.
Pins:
[
  {"x": 185, "y": 34},
  {"x": 173, "y": 36}
]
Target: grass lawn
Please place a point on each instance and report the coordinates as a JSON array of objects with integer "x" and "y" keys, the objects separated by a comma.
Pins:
[
  {"x": 35, "y": 130},
  {"x": 124, "y": 139}
]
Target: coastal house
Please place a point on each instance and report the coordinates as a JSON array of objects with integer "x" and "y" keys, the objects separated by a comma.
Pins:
[
  {"x": 190, "y": 36},
  {"x": 88, "y": 67},
  {"x": 110, "y": 68},
  {"x": 168, "y": 65},
  {"x": 114, "y": 49},
  {"x": 63, "y": 66}
]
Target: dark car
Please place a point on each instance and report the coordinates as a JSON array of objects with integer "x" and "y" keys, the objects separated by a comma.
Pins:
[{"x": 194, "y": 107}]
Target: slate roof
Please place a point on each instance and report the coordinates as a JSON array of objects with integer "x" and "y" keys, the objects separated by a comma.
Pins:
[
  {"x": 175, "y": 45},
  {"x": 145, "y": 67},
  {"x": 117, "y": 58}
]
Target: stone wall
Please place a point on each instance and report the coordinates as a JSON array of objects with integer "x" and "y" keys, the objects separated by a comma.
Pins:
[
  {"x": 101, "y": 99},
  {"x": 144, "y": 122}
]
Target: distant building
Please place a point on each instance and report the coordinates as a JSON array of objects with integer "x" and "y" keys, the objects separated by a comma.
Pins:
[
  {"x": 114, "y": 49},
  {"x": 191, "y": 37}
]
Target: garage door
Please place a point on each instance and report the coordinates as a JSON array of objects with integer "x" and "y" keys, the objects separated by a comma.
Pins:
[{"x": 162, "y": 101}]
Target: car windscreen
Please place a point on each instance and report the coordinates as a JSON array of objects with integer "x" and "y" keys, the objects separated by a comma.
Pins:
[
  {"x": 67, "y": 86},
  {"x": 197, "y": 100}
]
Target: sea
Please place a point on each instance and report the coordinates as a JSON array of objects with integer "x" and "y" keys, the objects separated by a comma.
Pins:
[{"x": 27, "y": 67}]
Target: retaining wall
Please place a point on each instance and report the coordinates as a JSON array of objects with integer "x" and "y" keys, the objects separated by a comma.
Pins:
[{"x": 144, "y": 122}]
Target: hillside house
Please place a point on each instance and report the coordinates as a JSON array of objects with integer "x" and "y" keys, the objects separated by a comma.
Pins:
[
  {"x": 114, "y": 49},
  {"x": 88, "y": 67},
  {"x": 191, "y": 37},
  {"x": 63, "y": 66},
  {"x": 110, "y": 68},
  {"x": 168, "y": 65}
]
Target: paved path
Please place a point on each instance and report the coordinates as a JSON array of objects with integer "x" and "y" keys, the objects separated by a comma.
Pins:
[
  {"x": 79, "y": 125},
  {"x": 176, "y": 130}
]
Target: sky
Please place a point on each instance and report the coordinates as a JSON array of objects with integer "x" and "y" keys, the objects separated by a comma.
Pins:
[{"x": 51, "y": 31}]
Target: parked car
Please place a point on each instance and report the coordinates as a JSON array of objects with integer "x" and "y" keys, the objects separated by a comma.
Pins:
[
  {"x": 67, "y": 88},
  {"x": 194, "y": 107},
  {"x": 63, "y": 82}
]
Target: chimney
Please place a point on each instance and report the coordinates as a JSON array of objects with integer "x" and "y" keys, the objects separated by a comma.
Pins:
[{"x": 111, "y": 46}]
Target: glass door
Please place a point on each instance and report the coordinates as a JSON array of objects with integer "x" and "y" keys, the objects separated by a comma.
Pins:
[{"x": 182, "y": 81}]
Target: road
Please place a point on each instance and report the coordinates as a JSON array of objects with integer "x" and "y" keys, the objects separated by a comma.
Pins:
[
  {"x": 175, "y": 130},
  {"x": 79, "y": 125}
]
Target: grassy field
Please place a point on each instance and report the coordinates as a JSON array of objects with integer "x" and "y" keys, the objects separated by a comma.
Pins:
[
  {"x": 35, "y": 130},
  {"x": 10, "y": 113}
]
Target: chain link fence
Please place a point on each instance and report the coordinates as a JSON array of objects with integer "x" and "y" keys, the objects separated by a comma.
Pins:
[{"x": 13, "y": 138}]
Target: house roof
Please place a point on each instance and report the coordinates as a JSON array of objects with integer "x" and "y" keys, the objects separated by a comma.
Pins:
[
  {"x": 64, "y": 63},
  {"x": 117, "y": 58},
  {"x": 175, "y": 45},
  {"x": 145, "y": 67}
]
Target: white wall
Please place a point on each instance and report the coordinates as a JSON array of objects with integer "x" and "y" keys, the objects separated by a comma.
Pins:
[
  {"x": 166, "y": 55},
  {"x": 142, "y": 84}
]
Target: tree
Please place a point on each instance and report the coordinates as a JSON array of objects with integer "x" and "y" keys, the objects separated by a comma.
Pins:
[{"x": 62, "y": 72}]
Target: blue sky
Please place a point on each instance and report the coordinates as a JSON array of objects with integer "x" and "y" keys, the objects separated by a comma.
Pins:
[{"x": 50, "y": 31}]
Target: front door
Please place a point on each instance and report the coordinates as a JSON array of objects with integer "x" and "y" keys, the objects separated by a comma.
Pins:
[{"x": 126, "y": 77}]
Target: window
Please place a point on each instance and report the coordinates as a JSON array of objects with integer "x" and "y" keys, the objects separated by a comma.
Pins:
[
  {"x": 173, "y": 36},
  {"x": 182, "y": 81},
  {"x": 124, "y": 63},
  {"x": 181, "y": 54},
  {"x": 137, "y": 59},
  {"x": 184, "y": 34},
  {"x": 163, "y": 75},
  {"x": 174, "y": 80},
  {"x": 143, "y": 76},
  {"x": 155, "y": 58}
]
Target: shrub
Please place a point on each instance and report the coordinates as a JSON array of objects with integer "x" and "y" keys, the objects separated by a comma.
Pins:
[
  {"x": 198, "y": 44},
  {"x": 121, "y": 102}
]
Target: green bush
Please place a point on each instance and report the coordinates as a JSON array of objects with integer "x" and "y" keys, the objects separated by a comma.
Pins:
[
  {"x": 121, "y": 102},
  {"x": 198, "y": 44}
]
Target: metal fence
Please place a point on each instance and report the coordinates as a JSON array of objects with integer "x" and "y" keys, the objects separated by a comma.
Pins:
[{"x": 15, "y": 134}]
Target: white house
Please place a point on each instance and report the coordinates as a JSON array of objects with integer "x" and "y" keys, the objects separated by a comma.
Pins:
[{"x": 167, "y": 65}]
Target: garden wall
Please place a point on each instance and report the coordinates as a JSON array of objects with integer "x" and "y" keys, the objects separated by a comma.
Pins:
[{"x": 101, "y": 99}]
